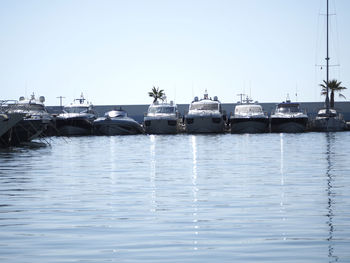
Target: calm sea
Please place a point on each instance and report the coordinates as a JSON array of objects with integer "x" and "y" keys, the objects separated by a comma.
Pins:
[{"x": 182, "y": 198}]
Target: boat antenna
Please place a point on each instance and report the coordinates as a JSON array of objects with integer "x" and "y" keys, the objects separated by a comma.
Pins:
[
  {"x": 248, "y": 100},
  {"x": 241, "y": 95},
  {"x": 60, "y": 97},
  {"x": 327, "y": 64}
]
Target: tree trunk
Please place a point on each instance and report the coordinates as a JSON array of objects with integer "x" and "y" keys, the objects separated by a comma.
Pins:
[{"x": 332, "y": 99}]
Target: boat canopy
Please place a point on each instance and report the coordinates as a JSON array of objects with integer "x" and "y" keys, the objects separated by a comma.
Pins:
[
  {"x": 76, "y": 109},
  {"x": 287, "y": 107},
  {"x": 31, "y": 106},
  {"x": 246, "y": 109},
  {"x": 204, "y": 105},
  {"x": 162, "y": 109}
]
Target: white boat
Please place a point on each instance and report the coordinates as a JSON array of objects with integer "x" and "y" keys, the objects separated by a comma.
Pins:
[
  {"x": 205, "y": 116},
  {"x": 77, "y": 118},
  {"x": 161, "y": 118},
  {"x": 328, "y": 119},
  {"x": 288, "y": 118},
  {"x": 116, "y": 122},
  {"x": 249, "y": 118},
  {"x": 35, "y": 121}
]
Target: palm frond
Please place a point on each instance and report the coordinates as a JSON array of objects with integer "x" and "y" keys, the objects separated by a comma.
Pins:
[{"x": 342, "y": 96}]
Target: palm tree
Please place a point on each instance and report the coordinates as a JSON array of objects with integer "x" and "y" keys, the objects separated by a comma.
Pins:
[
  {"x": 333, "y": 86},
  {"x": 156, "y": 94}
]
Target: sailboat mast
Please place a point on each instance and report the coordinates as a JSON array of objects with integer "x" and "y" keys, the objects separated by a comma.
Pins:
[{"x": 327, "y": 62}]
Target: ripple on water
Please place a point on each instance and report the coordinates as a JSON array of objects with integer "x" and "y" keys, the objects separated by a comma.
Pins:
[{"x": 183, "y": 198}]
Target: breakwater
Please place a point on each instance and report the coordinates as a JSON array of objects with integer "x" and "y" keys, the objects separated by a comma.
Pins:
[{"x": 137, "y": 111}]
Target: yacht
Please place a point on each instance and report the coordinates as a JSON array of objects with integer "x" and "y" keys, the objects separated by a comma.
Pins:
[
  {"x": 161, "y": 118},
  {"x": 7, "y": 122},
  {"x": 328, "y": 119},
  {"x": 116, "y": 122},
  {"x": 249, "y": 118},
  {"x": 77, "y": 118},
  {"x": 35, "y": 121},
  {"x": 288, "y": 118},
  {"x": 205, "y": 116}
]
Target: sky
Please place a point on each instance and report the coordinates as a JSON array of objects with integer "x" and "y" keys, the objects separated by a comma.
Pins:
[{"x": 115, "y": 51}]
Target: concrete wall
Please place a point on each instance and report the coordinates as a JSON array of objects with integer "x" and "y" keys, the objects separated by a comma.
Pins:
[{"x": 137, "y": 111}]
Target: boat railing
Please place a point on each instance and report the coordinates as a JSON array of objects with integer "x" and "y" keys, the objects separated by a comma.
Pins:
[{"x": 8, "y": 105}]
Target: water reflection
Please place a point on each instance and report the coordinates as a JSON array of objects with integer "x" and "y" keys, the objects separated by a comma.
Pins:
[
  {"x": 282, "y": 208},
  {"x": 153, "y": 172},
  {"x": 194, "y": 189},
  {"x": 330, "y": 138}
]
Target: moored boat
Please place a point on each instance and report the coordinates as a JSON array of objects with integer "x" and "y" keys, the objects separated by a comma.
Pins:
[
  {"x": 328, "y": 119},
  {"x": 249, "y": 118},
  {"x": 161, "y": 118},
  {"x": 76, "y": 119},
  {"x": 8, "y": 121},
  {"x": 288, "y": 118},
  {"x": 205, "y": 116},
  {"x": 116, "y": 122},
  {"x": 35, "y": 121}
]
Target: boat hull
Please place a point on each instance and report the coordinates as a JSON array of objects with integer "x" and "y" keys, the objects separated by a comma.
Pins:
[
  {"x": 74, "y": 126},
  {"x": 27, "y": 130},
  {"x": 161, "y": 125},
  {"x": 204, "y": 124},
  {"x": 249, "y": 125},
  {"x": 330, "y": 124},
  {"x": 8, "y": 121},
  {"x": 289, "y": 125},
  {"x": 116, "y": 127}
]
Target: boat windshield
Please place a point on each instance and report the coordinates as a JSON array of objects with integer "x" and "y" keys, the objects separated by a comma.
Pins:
[
  {"x": 205, "y": 106},
  {"x": 248, "y": 109},
  {"x": 323, "y": 113},
  {"x": 113, "y": 114},
  {"x": 162, "y": 109},
  {"x": 287, "y": 108},
  {"x": 76, "y": 109},
  {"x": 31, "y": 107}
]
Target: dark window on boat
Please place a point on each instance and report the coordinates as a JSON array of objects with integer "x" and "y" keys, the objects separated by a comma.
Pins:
[{"x": 148, "y": 123}]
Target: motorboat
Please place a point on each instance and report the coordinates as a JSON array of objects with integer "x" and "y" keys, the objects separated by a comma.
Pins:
[
  {"x": 161, "y": 118},
  {"x": 205, "y": 116},
  {"x": 77, "y": 118},
  {"x": 328, "y": 119},
  {"x": 288, "y": 118},
  {"x": 35, "y": 121},
  {"x": 7, "y": 122},
  {"x": 249, "y": 118},
  {"x": 116, "y": 122}
]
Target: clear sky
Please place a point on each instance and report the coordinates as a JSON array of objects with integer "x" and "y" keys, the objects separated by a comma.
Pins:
[{"x": 116, "y": 51}]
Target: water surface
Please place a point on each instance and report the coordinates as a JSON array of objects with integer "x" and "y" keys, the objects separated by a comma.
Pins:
[{"x": 182, "y": 198}]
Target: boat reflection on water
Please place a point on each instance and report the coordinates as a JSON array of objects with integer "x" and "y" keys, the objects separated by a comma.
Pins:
[
  {"x": 153, "y": 173},
  {"x": 282, "y": 201},
  {"x": 194, "y": 191},
  {"x": 330, "y": 193}
]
